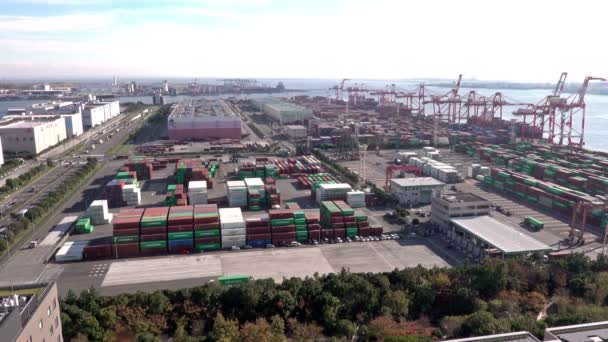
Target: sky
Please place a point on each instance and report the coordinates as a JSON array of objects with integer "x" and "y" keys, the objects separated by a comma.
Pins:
[{"x": 516, "y": 40}]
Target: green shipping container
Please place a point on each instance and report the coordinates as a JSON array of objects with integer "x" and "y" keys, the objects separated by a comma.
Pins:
[
  {"x": 209, "y": 247},
  {"x": 301, "y": 228},
  {"x": 198, "y": 215},
  {"x": 206, "y": 233},
  {"x": 153, "y": 244},
  {"x": 298, "y": 214},
  {"x": 302, "y": 236},
  {"x": 125, "y": 239},
  {"x": 350, "y": 232},
  {"x": 145, "y": 224},
  {"x": 180, "y": 235},
  {"x": 234, "y": 280},
  {"x": 281, "y": 222}
]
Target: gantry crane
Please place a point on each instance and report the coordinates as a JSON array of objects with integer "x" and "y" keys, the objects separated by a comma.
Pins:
[{"x": 447, "y": 107}]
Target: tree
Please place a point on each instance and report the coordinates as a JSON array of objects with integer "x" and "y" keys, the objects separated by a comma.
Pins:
[
  {"x": 451, "y": 326},
  {"x": 260, "y": 331},
  {"x": 345, "y": 328},
  {"x": 225, "y": 330},
  {"x": 147, "y": 337},
  {"x": 480, "y": 323},
  {"x": 10, "y": 183},
  {"x": 301, "y": 332},
  {"x": 397, "y": 302}
]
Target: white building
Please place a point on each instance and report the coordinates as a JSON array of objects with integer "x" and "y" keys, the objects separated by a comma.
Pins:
[
  {"x": 96, "y": 113},
  {"x": 71, "y": 112},
  {"x": 414, "y": 190},
  {"x": 295, "y": 131},
  {"x": 283, "y": 111},
  {"x": 32, "y": 136},
  {"x": 446, "y": 206}
]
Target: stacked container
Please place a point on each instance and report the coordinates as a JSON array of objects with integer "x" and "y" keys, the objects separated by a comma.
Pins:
[
  {"x": 142, "y": 166},
  {"x": 308, "y": 180},
  {"x": 197, "y": 192},
  {"x": 314, "y": 228},
  {"x": 175, "y": 195},
  {"x": 258, "y": 231},
  {"x": 332, "y": 192},
  {"x": 153, "y": 235},
  {"x": 131, "y": 194},
  {"x": 362, "y": 225},
  {"x": 116, "y": 193},
  {"x": 331, "y": 219},
  {"x": 356, "y": 199},
  {"x": 84, "y": 226},
  {"x": 126, "y": 233},
  {"x": 237, "y": 193},
  {"x": 233, "y": 229},
  {"x": 256, "y": 193},
  {"x": 207, "y": 235},
  {"x": 283, "y": 226},
  {"x": 99, "y": 213},
  {"x": 350, "y": 224},
  {"x": 301, "y": 226},
  {"x": 180, "y": 233}
]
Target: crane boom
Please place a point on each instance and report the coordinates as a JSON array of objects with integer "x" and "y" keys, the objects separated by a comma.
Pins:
[
  {"x": 583, "y": 91},
  {"x": 560, "y": 84}
]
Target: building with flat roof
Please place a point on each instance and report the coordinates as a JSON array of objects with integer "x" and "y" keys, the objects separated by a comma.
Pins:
[
  {"x": 296, "y": 131},
  {"x": 31, "y": 315},
  {"x": 97, "y": 112},
  {"x": 32, "y": 135},
  {"x": 203, "y": 119},
  {"x": 446, "y": 206},
  {"x": 71, "y": 112},
  {"x": 416, "y": 190},
  {"x": 483, "y": 236},
  {"x": 520, "y": 336},
  {"x": 588, "y": 332},
  {"x": 282, "y": 111}
]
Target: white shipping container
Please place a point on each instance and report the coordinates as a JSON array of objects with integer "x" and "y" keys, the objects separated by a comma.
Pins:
[
  {"x": 234, "y": 240},
  {"x": 234, "y": 231},
  {"x": 71, "y": 251}
]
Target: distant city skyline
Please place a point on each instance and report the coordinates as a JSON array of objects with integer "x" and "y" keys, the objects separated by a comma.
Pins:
[{"x": 525, "y": 41}]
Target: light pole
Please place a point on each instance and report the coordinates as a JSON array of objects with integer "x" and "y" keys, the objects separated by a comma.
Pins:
[{"x": 8, "y": 251}]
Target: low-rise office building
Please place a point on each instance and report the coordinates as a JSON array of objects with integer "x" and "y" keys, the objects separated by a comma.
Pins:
[
  {"x": 33, "y": 315},
  {"x": 71, "y": 112},
  {"x": 32, "y": 135},
  {"x": 445, "y": 206},
  {"x": 587, "y": 332},
  {"x": 416, "y": 190}
]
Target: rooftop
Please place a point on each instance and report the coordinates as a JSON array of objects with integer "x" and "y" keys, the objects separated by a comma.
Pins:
[
  {"x": 520, "y": 336},
  {"x": 22, "y": 123},
  {"x": 462, "y": 197},
  {"x": 589, "y": 332},
  {"x": 499, "y": 235},
  {"x": 417, "y": 181},
  {"x": 202, "y": 107}
]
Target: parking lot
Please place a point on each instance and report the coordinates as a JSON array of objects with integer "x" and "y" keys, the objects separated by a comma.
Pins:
[{"x": 177, "y": 271}]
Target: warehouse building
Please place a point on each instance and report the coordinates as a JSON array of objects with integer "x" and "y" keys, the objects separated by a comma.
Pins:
[
  {"x": 32, "y": 136},
  {"x": 418, "y": 190},
  {"x": 520, "y": 336},
  {"x": 1, "y": 153},
  {"x": 295, "y": 131},
  {"x": 588, "y": 332},
  {"x": 446, "y": 206},
  {"x": 204, "y": 119},
  {"x": 484, "y": 236},
  {"x": 71, "y": 112},
  {"x": 33, "y": 315},
  {"x": 282, "y": 111},
  {"x": 96, "y": 113}
]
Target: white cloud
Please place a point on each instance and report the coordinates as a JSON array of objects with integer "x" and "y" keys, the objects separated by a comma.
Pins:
[{"x": 61, "y": 23}]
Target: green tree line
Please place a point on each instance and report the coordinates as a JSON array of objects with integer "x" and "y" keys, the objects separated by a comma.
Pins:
[
  {"x": 12, "y": 184},
  {"x": 412, "y": 304}
]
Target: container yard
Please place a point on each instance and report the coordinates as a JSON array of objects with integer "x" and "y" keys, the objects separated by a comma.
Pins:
[{"x": 201, "y": 119}]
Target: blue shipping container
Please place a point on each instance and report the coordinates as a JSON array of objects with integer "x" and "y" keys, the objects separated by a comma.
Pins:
[
  {"x": 181, "y": 243},
  {"x": 258, "y": 243}
]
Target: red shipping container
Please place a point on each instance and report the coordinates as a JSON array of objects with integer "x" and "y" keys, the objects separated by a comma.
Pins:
[
  {"x": 258, "y": 230},
  {"x": 327, "y": 233},
  {"x": 153, "y": 251},
  {"x": 314, "y": 235},
  {"x": 97, "y": 252},
  {"x": 283, "y": 229},
  {"x": 207, "y": 226},
  {"x": 202, "y": 241},
  {"x": 153, "y": 237},
  {"x": 338, "y": 225},
  {"x": 337, "y": 219},
  {"x": 126, "y": 250},
  {"x": 363, "y": 224},
  {"x": 206, "y": 220},
  {"x": 184, "y": 228},
  {"x": 290, "y": 236},
  {"x": 124, "y": 232},
  {"x": 153, "y": 230},
  {"x": 364, "y": 232},
  {"x": 314, "y": 226},
  {"x": 259, "y": 237},
  {"x": 340, "y": 233},
  {"x": 280, "y": 213},
  {"x": 349, "y": 219},
  {"x": 376, "y": 231}
]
